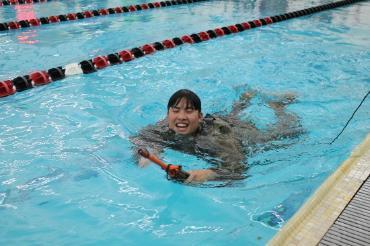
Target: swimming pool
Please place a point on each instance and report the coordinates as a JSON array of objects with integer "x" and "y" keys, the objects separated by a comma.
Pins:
[{"x": 67, "y": 171}]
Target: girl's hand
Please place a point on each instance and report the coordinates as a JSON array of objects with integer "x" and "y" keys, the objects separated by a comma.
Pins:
[
  {"x": 143, "y": 162},
  {"x": 200, "y": 176}
]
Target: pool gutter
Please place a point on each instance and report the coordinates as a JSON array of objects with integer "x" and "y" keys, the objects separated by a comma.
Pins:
[{"x": 315, "y": 217}]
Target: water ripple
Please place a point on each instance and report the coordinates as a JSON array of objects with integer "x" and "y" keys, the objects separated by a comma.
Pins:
[
  {"x": 200, "y": 229},
  {"x": 42, "y": 181}
]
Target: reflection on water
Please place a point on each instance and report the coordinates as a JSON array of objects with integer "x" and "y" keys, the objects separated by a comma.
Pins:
[
  {"x": 26, "y": 12},
  {"x": 282, "y": 212},
  {"x": 28, "y": 37}
]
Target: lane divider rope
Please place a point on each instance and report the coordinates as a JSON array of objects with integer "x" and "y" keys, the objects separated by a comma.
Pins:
[
  {"x": 38, "y": 78},
  {"x": 19, "y": 2},
  {"x": 13, "y": 25}
]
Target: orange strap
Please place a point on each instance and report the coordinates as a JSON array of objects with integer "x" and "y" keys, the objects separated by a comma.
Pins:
[
  {"x": 172, "y": 170},
  {"x": 146, "y": 154}
]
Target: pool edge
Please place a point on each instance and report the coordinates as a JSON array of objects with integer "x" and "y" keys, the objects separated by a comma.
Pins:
[{"x": 315, "y": 217}]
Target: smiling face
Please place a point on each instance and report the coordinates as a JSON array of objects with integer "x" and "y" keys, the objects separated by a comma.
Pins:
[{"x": 183, "y": 118}]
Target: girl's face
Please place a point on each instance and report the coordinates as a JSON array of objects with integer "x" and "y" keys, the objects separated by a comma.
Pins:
[{"x": 183, "y": 119}]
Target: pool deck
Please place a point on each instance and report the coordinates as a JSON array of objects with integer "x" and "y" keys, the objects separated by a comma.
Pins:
[{"x": 344, "y": 193}]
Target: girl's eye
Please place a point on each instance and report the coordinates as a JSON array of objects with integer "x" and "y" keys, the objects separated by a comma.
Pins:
[{"x": 175, "y": 110}]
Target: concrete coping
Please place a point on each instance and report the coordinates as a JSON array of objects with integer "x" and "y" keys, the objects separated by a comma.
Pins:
[{"x": 315, "y": 217}]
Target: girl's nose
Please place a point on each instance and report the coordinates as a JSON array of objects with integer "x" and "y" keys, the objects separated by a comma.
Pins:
[{"x": 182, "y": 114}]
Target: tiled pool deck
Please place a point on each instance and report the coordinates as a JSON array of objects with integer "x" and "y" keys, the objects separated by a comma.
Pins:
[
  {"x": 309, "y": 225},
  {"x": 352, "y": 227}
]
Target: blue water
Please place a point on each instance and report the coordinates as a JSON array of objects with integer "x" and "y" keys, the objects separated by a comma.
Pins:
[{"x": 67, "y": 174}]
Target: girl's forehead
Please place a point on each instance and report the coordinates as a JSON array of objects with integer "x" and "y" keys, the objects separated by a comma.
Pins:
[{"x": 183, "y": 102}]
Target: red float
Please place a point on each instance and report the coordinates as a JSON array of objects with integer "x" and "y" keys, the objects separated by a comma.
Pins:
[
  {"x": 219, "y": 32},
  {"x": 71, "y": 16},
  {"x": 148, "y": 49},
  {"x": 40, "y": 78},
  {"x": 34, "y": 22},
  {"x": 257, "y": 22},
  {"x": 233, "y": 29},
  {"x": 103, "y": 12},
  {"x": 168, "y": 44},
  {"x": 268, "y": 20},
  {"x": 132, "y": 8},
  {"x": 246, "y": 25},
  {"x": 125, "y": 55},
  {"x": 144, "y": 6},
  {"x": 88, "y": 14},
  {"x": 6, "y": 88},
  {"x": 53, "y": 19},
  {"x": 157, "y": 4},
  {"x": 187, "y": 39},
  {"x": 13, "y": 25},
  {"x": 204, "y": 36},
  {"x": 100, "y": 62},
  {"x": 118, "y": 10}
]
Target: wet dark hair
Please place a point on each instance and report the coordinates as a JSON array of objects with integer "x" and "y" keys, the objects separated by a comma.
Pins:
[{"x": 192, "y": 100}]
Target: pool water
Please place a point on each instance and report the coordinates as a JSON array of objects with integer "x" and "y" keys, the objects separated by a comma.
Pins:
[{"x": 67, "y": 171}]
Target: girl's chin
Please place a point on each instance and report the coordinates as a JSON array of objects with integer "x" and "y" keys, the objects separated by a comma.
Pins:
[{"x": 181, "y": 131}]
